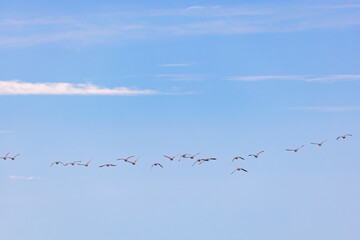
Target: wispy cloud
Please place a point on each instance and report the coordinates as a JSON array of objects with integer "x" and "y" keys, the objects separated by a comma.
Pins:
[
  {"x": 5, "y": 131},
  {"x": 24, "y": 178},
  {"x": 16, "y": 87},
  {"x": 328, "y": 108},
  {"x": 176, "y": 64},
  {"x": 328, "y": 78},
  {"x": 190, "y": 21}
]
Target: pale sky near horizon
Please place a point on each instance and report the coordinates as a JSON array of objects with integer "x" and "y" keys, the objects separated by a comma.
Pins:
[{"x": 102, "y": 80}]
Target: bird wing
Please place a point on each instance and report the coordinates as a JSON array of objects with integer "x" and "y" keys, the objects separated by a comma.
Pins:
[
  {"x": 243, "y": 169},
  {"x": 233, "y": 171},
  {"x": 52, "y": 164},
  {"x": 160, "y": 165}
]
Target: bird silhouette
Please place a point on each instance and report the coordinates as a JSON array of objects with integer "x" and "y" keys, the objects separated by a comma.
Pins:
[
  {"x": 186, "y": 155},
  {"x": 171, "y": 158},
  {"x": 5, "y": 157},
  {"x": 125, "y": 159},
  {"x": 156, "y": 164},
  {"x": 320, "y": 144},
  {"x": 206, "y": 160},
  {"x": 256, "y": 155},
  {"x": 85, "y": 164},
  {"x": 107, "y": 165},
  {"x": 295, "y": 150},
  {"x": 57, "y": 162},
  {"x": 344, "y": 136},
  {"x": 72, "y": 163},
  {"x": 13, "y": 158},
  {"x": 192, "y": 157},
  {"x": 237, "y": 157},
  {"x": 239, "y": 169},
  {"x": 134, "y": 162}
]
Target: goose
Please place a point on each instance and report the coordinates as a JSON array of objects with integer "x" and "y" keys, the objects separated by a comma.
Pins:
[
  {"x": 238, "y": 157},
  {"x": 256, "y": 155},
  {"x": 320, "y": 144},
  {"x": 239, "y": 169},
  {"x": 294, "y": 150},
  {"x": 171, "y": 158},
  {"x": 134, "y": 162},
  {"x": 107, "y": 165},
  {"x": 344, "y": 136},
  {"x": 86, "y": 164},
  {"x": 186, "y": 155},
  {"x": 206, "y": 160},
  {"x": 57, "y": 162},
  {"x": 5, "y": 157},
  {"x": 125, "y": 159},
  {"x": 13, "y": 158},
  {"x": 192, "y": 157},
  {"x": 72, "y": 163},
  {"x": 156, "y": 164}
]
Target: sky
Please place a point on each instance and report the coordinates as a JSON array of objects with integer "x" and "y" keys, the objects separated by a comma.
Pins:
[{"x": 102, "y": 80}]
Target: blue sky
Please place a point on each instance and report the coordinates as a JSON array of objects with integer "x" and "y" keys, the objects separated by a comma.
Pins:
[{"x": 84, "y": 79}]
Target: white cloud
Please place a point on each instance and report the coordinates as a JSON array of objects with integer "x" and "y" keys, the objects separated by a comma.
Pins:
[
  {"x": 24, "y": 178},
  {"x": 16, "y": 87},
  {"x": 181, "y": 77},
  {"x": 328, "y": 108},
  {"x": 328, "y": 78}
]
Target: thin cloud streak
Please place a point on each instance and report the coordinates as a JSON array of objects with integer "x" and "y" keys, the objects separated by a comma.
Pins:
[
  {"x": 329, "y": 78},
  {"x": 191, "y": 21},
  {"x": 28, "y": 178},
  {"x": 16, "y": 87}
]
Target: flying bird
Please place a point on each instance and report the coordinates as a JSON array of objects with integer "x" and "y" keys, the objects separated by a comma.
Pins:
[
  {"x": 184, "y": 156},
  {"x": 13, "y": 158},
  {"x": 205, "y": 160},
  {"x": 238, "y": 157},
  {"x": 320, "y": 144},
  {"x": 171, "y": 158},
  {"x": 239, "y": 169},
  {"x": 256, "y": 155},
  {"x": 197, "y": 161},
  {"x": 294, "y": 150},
  {"x": 192, "y": 157},
  {"x": 156, "y": 164},
  {"x": 72, "y": 163},
  {"x": 125, "y": 159},
  {"x": 134, "y": 162},
  {"x": 107, "y": 165},
  {"x": 58, "y": 162},
  {"x": 344, "y": 136},
  {"x": 4, "y": 157},
  {"x": 85, "y": 164}
]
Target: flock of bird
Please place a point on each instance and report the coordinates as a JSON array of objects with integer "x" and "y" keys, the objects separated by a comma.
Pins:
[{"x": 198, "y": 161}]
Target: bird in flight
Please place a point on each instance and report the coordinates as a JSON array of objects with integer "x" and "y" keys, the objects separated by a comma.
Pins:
[
  {"x": 108, "y": 165},
  {"x": 72, "y": 163},
  {"x": 239, "y": 169},
  {"x": 197, "y": 161},
  {"x": 13, "y": 158},
  {"x": 344, "y": 136},
  {"x": 156, "y": 164},
  {"x": 186, "y": 155},
  {"x": 57, "y": 162},
  {"x": 125, "y": 159},
  {"x": 171, "y": 158},
  {"x": 192, "y": 157},
  {"x": 134, "y": 162},
  {"x": 205, "y": 160},
  {"x": 238, "y": 157},
  {"x": 294, "y": 150},
  {"x": 85, "y": 164},
  {"x": 256, "y": 155},
  {"x": 4, "y": 157},
  {"x": 320, "y": 144}
]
